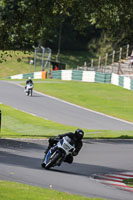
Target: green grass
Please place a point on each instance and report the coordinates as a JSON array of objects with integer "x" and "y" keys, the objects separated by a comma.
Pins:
[
  {"x": 18, "y": 124},
  {"x": 74, "y": 59},
  {"x": 17, "y": 62},
  {"x": 128, "y": 182},
  {"x": 17, "y": 191},
  {"x": 106, "y": 98}
]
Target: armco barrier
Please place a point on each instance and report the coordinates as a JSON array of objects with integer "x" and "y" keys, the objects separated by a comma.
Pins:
[
  {"x": 18, "y": 76},
  {"x": 77, "y": 75},
  {"x": 25, "y": 76},
  {"x": 56, "y": 74},
  {"x": 121, "y": 81},
  {"x": 102, "y": 78},
  {"x": 35, "y": 75},
  {"x": 127, "y": 83},
  {"x": 66, "y": 75},
  {"x": 86, "y": 76},
  {"x": 115, "y": 79},
  {"x": 131, "y": 86},
  {"x": 108, "y": 78}
]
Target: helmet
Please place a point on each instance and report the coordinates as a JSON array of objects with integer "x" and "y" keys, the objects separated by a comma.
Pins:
[
  {"x": 29, "y": 78},
  {"x": 79, "y": 134}
]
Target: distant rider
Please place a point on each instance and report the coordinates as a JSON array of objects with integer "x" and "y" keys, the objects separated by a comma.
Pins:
[
  {"x": 75, "y": 137},
  {"x": 29, "y": 81}
]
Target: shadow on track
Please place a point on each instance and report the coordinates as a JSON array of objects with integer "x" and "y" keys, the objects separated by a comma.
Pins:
[
  {"x": 85, "y": 169},
  {"x": 80, "y": 169},
  {"x": 11, "y": 158},
  {"x": 35, "y": 95},
  {"x": 7, "y": 158},
  {"x": 20, "y": 145}
]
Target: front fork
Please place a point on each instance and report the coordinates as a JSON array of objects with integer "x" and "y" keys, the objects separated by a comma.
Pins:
[{"x": 48, "y": 154}]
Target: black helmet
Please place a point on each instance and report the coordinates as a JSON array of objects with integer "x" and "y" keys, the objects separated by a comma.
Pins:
[{"x": 79, "y": 134}]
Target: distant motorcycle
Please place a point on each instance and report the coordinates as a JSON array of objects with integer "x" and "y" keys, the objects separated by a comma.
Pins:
[
  {"x": 29, "y": 89},
  {"x": 57, "y": 154}
]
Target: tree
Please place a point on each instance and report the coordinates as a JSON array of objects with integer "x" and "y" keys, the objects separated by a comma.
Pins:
[{"x": 27, "y": 23}]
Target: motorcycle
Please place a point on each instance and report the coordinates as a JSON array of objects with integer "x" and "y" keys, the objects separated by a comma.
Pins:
[
  {"x": 57, "y": 154},
  {"x": 29, "y": 89}
]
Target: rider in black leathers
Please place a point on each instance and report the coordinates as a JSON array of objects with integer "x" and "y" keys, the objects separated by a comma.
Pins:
[
  {"x": 29, "y": 81},
  {"x": 76, "y": 138}
]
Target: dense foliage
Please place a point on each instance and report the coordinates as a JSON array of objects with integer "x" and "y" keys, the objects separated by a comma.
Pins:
[{"x": 28, "y": 23}]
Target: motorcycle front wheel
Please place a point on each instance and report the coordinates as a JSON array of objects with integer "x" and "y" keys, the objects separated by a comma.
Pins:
[
  {"x": 30, "y": 92},
  {"x": 52, "y": 161}
]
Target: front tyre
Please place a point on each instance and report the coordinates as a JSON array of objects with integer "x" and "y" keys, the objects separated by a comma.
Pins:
[
  {"x": 52, "y": 161},
  {"x": 31, "y": 92},
  {"x": 43, "y": 165}
]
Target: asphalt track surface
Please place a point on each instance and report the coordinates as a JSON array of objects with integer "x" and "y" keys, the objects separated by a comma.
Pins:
[
  {"x": 57, "y": 110},
  {"x": 20, "y": 160}
]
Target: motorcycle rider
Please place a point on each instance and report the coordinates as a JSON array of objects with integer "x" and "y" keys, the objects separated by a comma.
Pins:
[
  {"x": 29, "y": 81},
  {"x": 75, "y": 137}
]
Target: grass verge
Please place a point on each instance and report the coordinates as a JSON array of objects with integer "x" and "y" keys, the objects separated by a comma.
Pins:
[
  {"x": 15, "y": 191},
  {"x": 128, "y": 182},
  {"x": 18, "y": 124}
]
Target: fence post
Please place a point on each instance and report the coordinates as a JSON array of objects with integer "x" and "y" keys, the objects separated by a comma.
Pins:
[
  {"x": 106, "y": 59},
  {"x": 119, "y": 66},
  {"x": 35, "y": 54},
  {"x": 120, "y": 54},
  {"x": 85, "y": 66},
  {"x": 43, "y": 49},
  {"x": 99, "y": 62},
  {"x": 113, "y": 57},
  {"x": 127, "y": 51},
  {"x": 92, "y": 62},
  {"x": 0, "y": 120}
]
